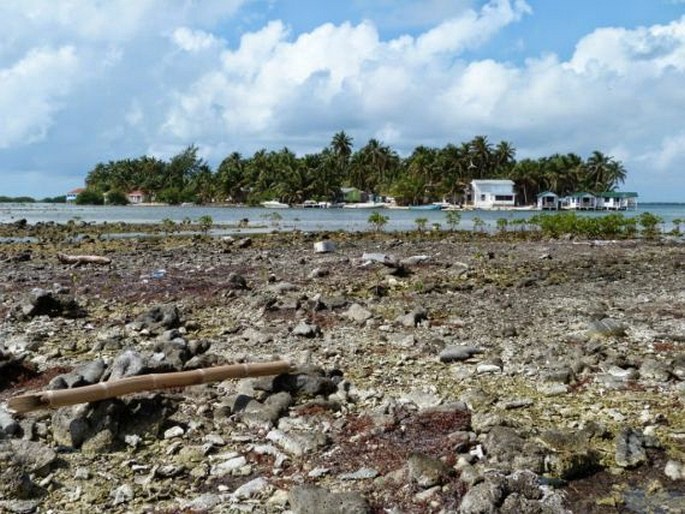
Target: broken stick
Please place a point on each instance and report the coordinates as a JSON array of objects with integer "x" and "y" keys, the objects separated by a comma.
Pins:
[
  {"x": 82, "y": 259},
  {"x": 115, "y": 388}
]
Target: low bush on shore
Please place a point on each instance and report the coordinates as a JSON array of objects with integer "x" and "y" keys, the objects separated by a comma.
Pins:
[{"x": 613, "y": 225}]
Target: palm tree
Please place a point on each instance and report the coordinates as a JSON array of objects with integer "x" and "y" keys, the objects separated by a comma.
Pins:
[
  {"x": 232, "y": 178},
  {"x": 341, "y": 144},
  {"x": 504, "y": 158},
  {"x": 377, "y": 163},
  {"x": 480, "y": 154},
  {"x": 604, "y": 173},
  {"x": 528, "y": 176},
  {"x": 422, "y": 168}
]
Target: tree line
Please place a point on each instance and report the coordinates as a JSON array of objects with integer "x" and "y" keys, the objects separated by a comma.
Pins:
[{"x": 427, "y": 174}]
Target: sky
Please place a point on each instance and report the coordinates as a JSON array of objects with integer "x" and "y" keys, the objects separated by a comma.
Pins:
[{"x": 88, "y": 81}]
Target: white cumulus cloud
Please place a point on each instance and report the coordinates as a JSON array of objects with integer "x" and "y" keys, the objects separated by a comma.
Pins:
[
  {"x": 122, "y": 78},
  {"x": 32, "y": 90}
]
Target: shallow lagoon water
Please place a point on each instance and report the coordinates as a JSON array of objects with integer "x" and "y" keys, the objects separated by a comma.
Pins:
[{"x": 309, "y": 220}]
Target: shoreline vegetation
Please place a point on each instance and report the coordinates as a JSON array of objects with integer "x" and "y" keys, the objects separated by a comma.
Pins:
[{"x": 339, "y": 173}]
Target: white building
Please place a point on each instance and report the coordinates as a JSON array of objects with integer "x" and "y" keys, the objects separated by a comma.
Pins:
[
  {"x": 617, "y": 200},
  {"x": 580, "y": 202},
  {"x": 137, "y": 196},
  {"x": 491, "y": 194},
  {"x": 548, "y": 201},
  {"x": 71, "y": 195}
]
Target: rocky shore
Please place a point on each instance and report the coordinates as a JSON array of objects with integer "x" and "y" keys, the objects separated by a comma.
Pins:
[{"x": 436, "y": 373}]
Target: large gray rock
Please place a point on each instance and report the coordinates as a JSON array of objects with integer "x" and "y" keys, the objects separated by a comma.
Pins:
[
  {"x": 569, "y": 454},
  {"x": 86, "y": 374},
  {"x": 30, "y": 456},
  {"x": 127, "y": 364},
  {"x": 265, "y": 415},
  {"x": 458, "y": 353},
  {"x": 236, "y": 282},
  {"x": 630, "y": 450},
  {"x": 413, "y": 318},
  {"x": 506, "y": 449},
  {"x": 358, "y": 314},
  {"x": 309, "y": 499},
  {"x": 483, "y": 498},
  {"x": 41, "y": 302},
  {"x": 606, "y": 327},
  {"x": 427, "y": 471},
  {"x": 304, "y": 329},
  {"x": 160, "y": 317},
  {"x": 8, "y": 425},
  {"x": 74, "y": 426}
]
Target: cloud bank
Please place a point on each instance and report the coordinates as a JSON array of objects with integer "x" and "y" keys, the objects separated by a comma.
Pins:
[{"x": 77, "y": 89}]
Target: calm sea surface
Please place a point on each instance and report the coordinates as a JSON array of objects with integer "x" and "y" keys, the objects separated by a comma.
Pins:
[{"x": 286, "y": 219}]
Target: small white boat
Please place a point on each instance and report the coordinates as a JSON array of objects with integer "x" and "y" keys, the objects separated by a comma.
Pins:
[
  {"x": 364, "y": 205},
  {"x": 274, "y": 204},
  {"x": 428, "y": 207}
]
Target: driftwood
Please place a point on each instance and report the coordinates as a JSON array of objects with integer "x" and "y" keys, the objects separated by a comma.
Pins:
[
  {"x": 82, "y": 259},
  {"x": 115, "y": 388}
]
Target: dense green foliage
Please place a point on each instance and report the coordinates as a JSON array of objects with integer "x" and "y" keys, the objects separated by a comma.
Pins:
[
  {"x": 117, "y": 198},
  {"x": 427, "y": 174},
  {"x": 55, "y": 199},
  {"x": 89, "y": 197},
  {"x": 16, "y": 199},
  {"x": 603, "y": 226}
]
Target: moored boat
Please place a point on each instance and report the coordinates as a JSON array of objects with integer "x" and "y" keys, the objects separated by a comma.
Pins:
[
  {"x": 427, "y": 207},
  {"x": 274, "y": 204},
  {"x": 364, "y": 205}
]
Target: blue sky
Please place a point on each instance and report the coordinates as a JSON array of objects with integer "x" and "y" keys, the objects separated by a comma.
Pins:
[{"x": 83, "y": 81}]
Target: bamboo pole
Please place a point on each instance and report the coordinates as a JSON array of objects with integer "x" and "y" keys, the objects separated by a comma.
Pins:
[{"x": 115, "y": 388}]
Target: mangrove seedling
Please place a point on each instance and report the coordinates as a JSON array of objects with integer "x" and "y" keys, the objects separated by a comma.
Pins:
[
  {"x": 377, "y": 221},
  {"x": 421, "y": 224},
  {"x": 453, "y": 219}
]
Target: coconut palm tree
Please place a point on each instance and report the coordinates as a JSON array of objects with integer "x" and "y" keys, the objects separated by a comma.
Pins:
[
  {"x": 481, "y": 156},
  {"x": 232, "y": 178},
  {"x": 604, "y": 173}
]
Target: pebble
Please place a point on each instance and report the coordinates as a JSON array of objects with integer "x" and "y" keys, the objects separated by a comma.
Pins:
[
  {"x": 360, "y": 474},
  {"x": 251, "y": 489},
  {"x": 483, "y": 369},
  {"x": 675, "y": 470},
  {"x": 517, "y": 404},
  {"x": 458, "y": 353},
  {"x": 228, "y": 466},
  {"x": 553, "y": 389},
  {"x": 122, "y": 494},
  {"x": 310, "y": 499},
  {"x": 19, "y": 506},
  {"x": 357, "y": 313},
  {"x": 173, "y": 432},
  {"x": 324, "y": 247}
]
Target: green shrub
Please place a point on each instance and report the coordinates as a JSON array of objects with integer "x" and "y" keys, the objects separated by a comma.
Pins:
[
  {"x": 378, "y": 221},
  {"x": 502, "y": 224},
  {"x": 117, "y": 198},
  {"x": 613, "y": 225},
  {"x": 90, "y": 197},
  {"x": 453, "y": 219},
  {"x": 205, "y": 223},
  {"x": 649, "y": 223},
  {"x": 478, "y": 224}
]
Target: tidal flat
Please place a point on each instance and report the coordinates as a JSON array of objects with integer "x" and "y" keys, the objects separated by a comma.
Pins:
[{"x": 436, "y": 372}]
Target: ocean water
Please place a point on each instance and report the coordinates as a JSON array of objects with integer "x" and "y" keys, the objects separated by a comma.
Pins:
[{"x": 308, "y": 220}]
